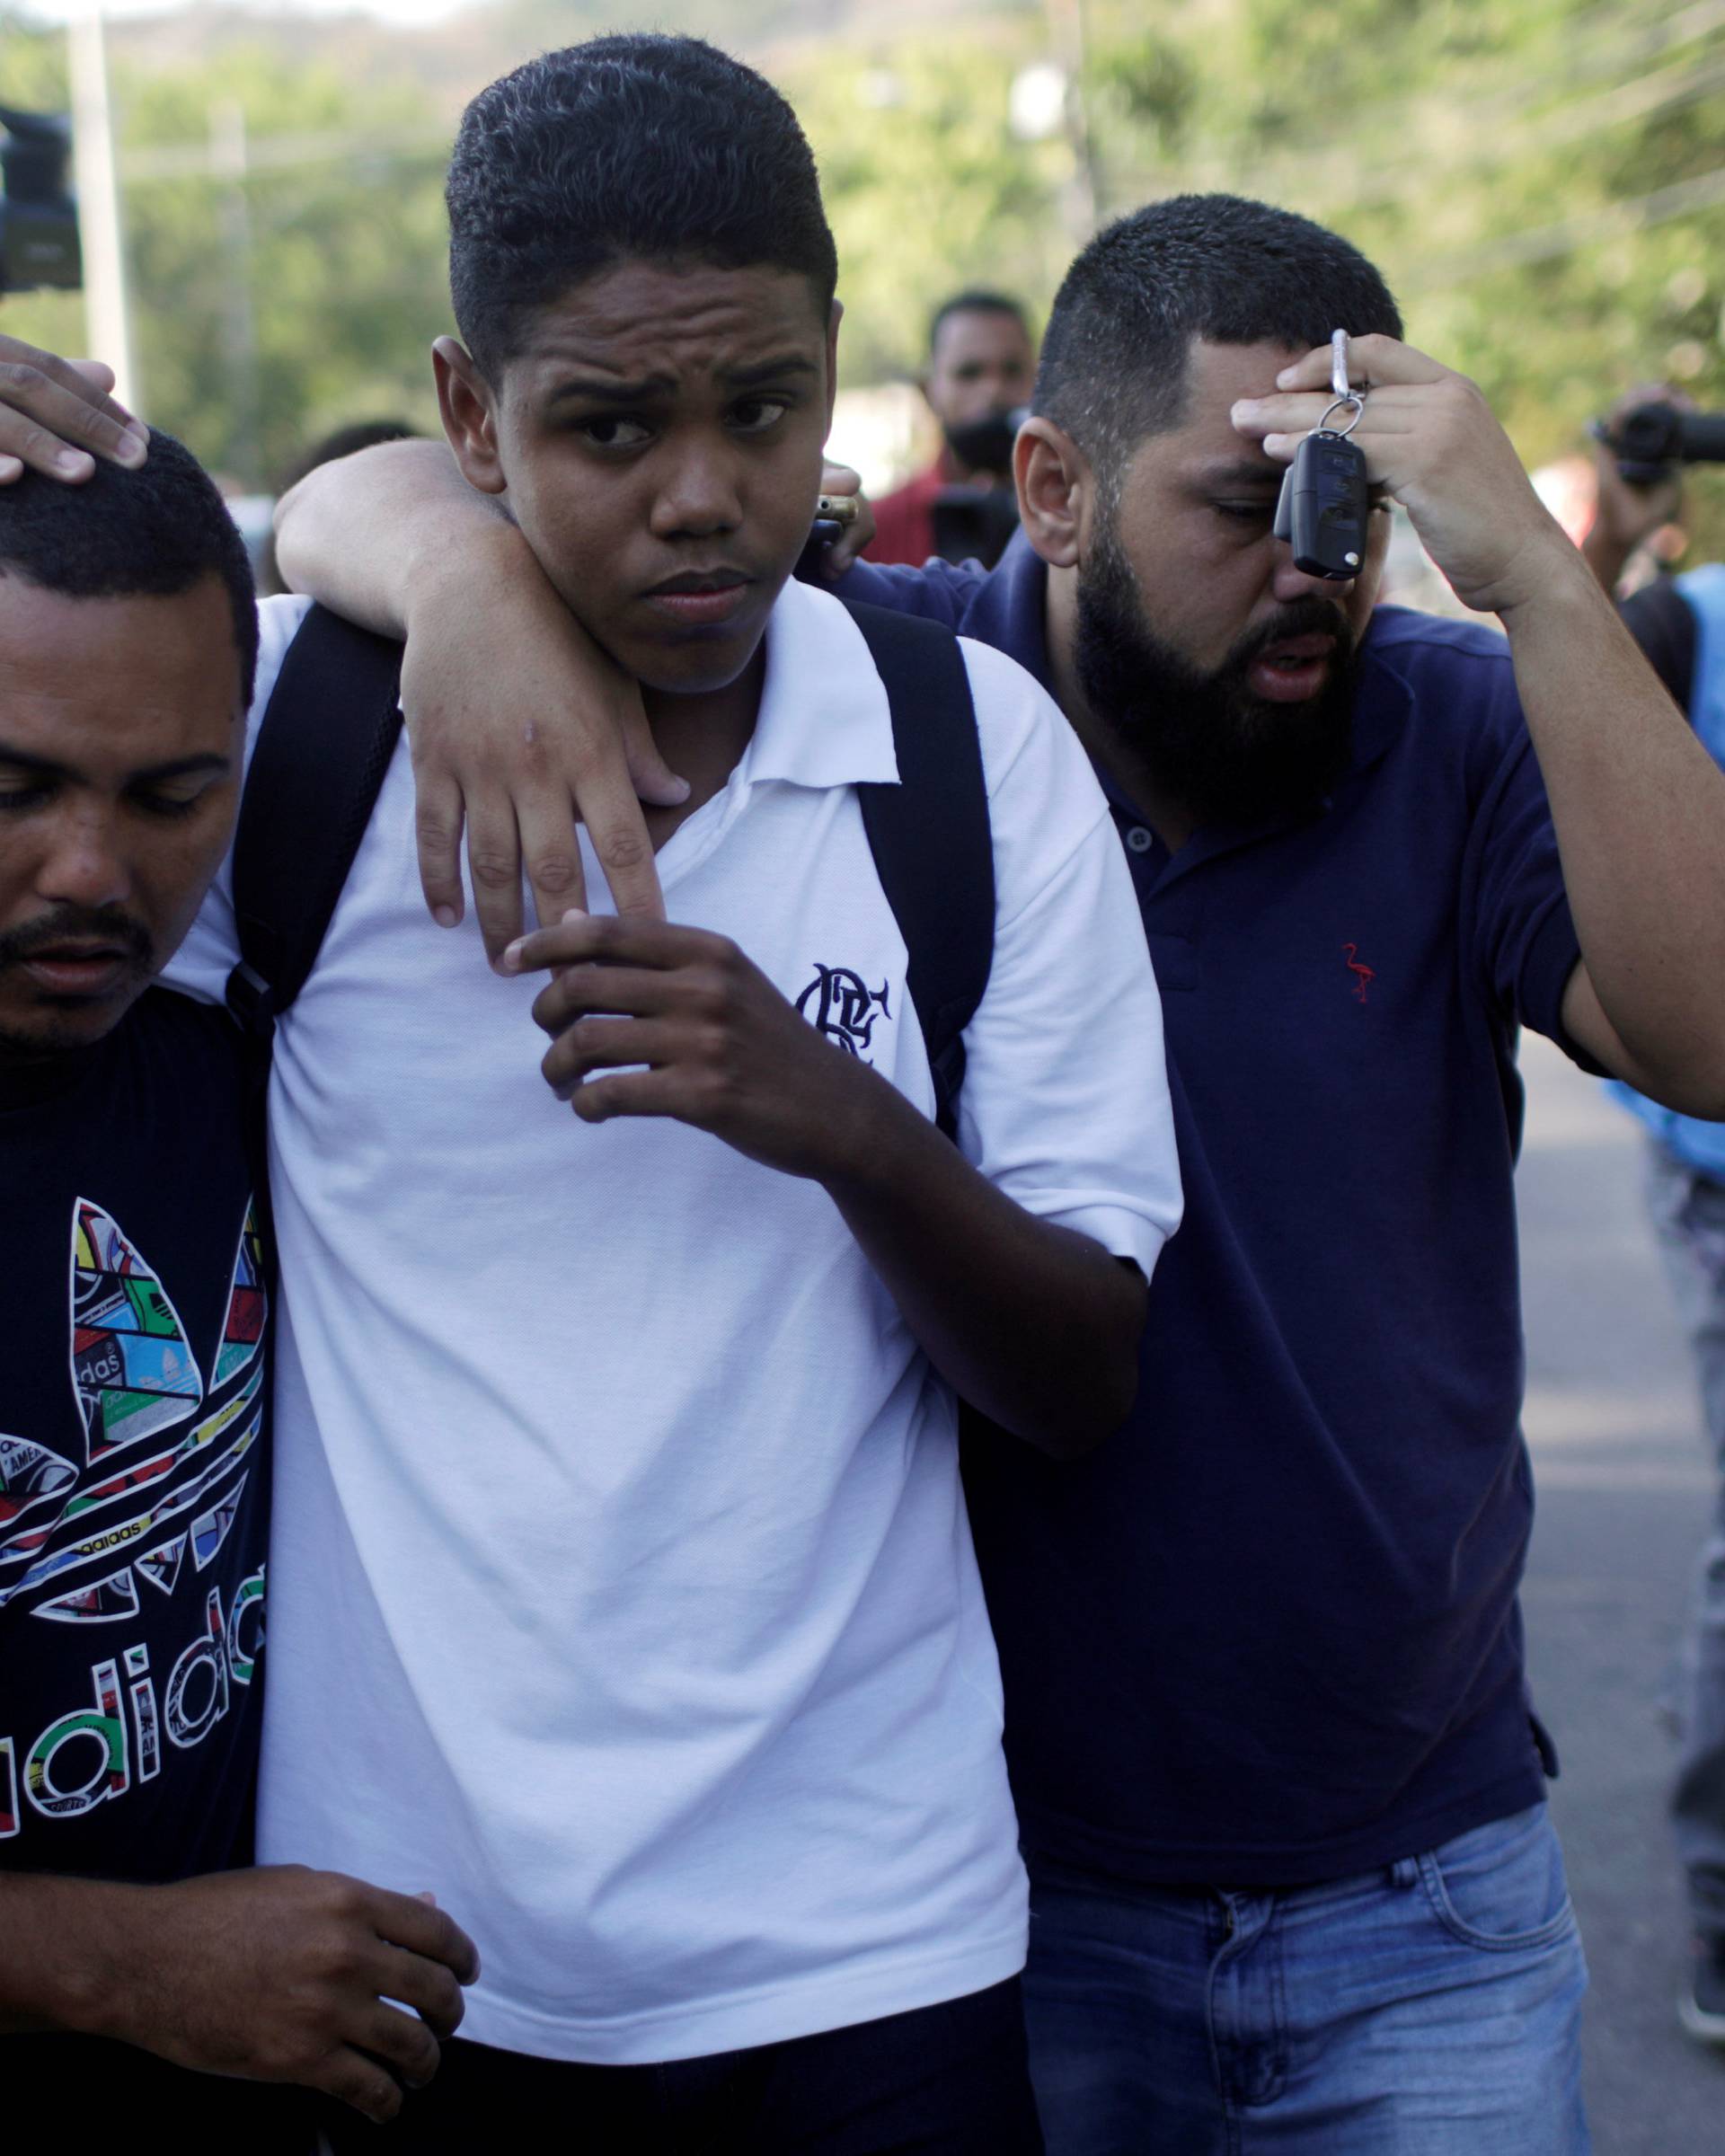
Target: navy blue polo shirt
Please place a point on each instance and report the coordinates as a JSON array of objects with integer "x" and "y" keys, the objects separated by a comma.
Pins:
[{"x": 1268, "y": 1633}]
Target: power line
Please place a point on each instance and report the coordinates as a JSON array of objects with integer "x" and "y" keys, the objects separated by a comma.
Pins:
[
  {"x": 1320, "y": 173},
  {"x": 1664, "y": 33},
  {"x": 1490, "y": 108},
  {"x": 1546, "y": 243}
]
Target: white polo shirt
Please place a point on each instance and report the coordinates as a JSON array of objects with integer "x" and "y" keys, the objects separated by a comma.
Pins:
[{"x": 621, "y": 1590}]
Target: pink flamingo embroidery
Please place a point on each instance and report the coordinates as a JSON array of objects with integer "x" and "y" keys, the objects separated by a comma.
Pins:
[{"x": 1361, "y": 972}]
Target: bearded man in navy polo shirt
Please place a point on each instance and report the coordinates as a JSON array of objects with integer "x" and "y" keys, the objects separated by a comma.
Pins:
[{"x": 1279, "y": 1773}]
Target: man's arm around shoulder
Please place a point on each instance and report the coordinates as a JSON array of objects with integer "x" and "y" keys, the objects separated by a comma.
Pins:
[{"x": 940, "y": 591}]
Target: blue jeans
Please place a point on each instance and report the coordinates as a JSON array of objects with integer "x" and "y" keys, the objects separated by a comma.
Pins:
[{"x": 1429, "y": 2009}]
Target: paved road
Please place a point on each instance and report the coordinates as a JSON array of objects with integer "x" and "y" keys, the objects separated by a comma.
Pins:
[{"x": 1622, "y": 1494}]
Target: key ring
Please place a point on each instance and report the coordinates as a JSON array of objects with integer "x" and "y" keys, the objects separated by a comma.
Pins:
[
  {"x": 1339, "y": 385},
  {"x": 1340, "y": 389}
]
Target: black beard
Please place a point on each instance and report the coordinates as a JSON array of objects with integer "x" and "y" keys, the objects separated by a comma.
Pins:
[{"x": 1224, "y": 755}]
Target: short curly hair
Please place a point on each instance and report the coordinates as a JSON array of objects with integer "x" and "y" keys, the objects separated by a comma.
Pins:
[
  {"x": 629, "y": 147},
  {"x": 1218, "y": 267},
  {"x": 155, "y": 531}
]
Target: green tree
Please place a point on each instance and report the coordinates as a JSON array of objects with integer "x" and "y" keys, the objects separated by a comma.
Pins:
[
  {"x": 276, "y": 298},
  {"x": 1543, "y": 184},
  {"x": 926, "y": 185}
]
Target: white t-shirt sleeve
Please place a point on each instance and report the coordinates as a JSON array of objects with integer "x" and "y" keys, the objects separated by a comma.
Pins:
[
  {"x": 1065, "y": 1102},
  {"x": 211, "y": 950}
]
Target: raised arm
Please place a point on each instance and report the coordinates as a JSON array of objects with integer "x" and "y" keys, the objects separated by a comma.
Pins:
[
  {"x": 1637, "y": 803},
  {"x": 520, "y": 725}
]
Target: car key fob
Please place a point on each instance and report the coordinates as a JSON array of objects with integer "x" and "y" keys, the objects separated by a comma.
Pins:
[{"x": 1324, "y": 506}]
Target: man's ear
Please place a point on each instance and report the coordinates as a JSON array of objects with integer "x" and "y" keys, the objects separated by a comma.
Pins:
[
  {"x": 465, "y": 402},
  {"x": 1056, "y": 492}
]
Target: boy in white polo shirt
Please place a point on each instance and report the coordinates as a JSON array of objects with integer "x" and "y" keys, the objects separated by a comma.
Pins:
[{"x": 622, "y": 1582}]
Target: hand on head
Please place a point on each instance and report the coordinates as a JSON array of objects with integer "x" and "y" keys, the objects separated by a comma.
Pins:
[{"x": 57, "y": 416}]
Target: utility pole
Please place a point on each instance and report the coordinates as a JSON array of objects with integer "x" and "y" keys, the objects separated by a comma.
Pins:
[
  {"x": 107, "y": 324},
  {"x": 1084, "y": 194},
  {"x": 228, "y": 160}
]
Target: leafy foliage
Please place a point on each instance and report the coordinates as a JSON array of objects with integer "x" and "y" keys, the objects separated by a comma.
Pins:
[
  {"x": 1544, "y": 185},
  {"x": 274, "y": 305}
]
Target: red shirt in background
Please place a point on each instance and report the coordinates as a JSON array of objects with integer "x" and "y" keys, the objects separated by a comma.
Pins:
[{"x": 904, "y": 520}]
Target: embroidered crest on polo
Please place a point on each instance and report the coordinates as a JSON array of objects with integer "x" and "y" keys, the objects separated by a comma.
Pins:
[{"x": 838, "y": 1003}]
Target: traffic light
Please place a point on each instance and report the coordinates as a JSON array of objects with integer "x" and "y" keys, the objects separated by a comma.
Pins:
[{"x": 38, "y": 219}]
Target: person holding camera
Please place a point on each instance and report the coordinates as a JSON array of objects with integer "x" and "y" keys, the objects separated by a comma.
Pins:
[
  {"x": 1639, "y": 452},
  {"x": 1679, "y": 622},
  {"x": 981, "y": 362}
]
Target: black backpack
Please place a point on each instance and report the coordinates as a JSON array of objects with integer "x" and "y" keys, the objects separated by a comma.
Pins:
[{"x": 330, "y": 729}]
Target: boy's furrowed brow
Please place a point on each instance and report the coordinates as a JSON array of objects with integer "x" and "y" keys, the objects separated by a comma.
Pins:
[
  {"x": 597, "y": 388},
  {"x": 600, "y": 389},
  {"x": 768, "y": 370}
]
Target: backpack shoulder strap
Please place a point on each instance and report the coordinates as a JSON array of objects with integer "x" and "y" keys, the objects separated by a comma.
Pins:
[
  {"x": 322, "y": 747},
  {"x": 930, "y": 835}
]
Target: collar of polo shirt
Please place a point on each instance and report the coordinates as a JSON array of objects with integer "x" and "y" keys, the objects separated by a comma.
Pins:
[{"x": 846, "y": 739}]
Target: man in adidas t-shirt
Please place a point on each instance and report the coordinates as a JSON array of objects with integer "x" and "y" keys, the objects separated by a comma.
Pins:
[
  {"x": 622, "y": 1581},
  {"x": 134, "y": 1504}
]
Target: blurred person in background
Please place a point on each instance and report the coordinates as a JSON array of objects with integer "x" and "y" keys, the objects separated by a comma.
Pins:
[
  {"x": 1679, "y": 622},
  {"x": 1283, "y": 1798},
  {"x": 981, "y": 364},
  {"x": 1632, "y": 529}
]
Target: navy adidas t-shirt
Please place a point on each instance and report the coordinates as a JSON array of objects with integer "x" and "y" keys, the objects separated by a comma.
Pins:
[
  {"x": 134, "y": 1488},
  {"x": 1268, "y": 1633}
]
